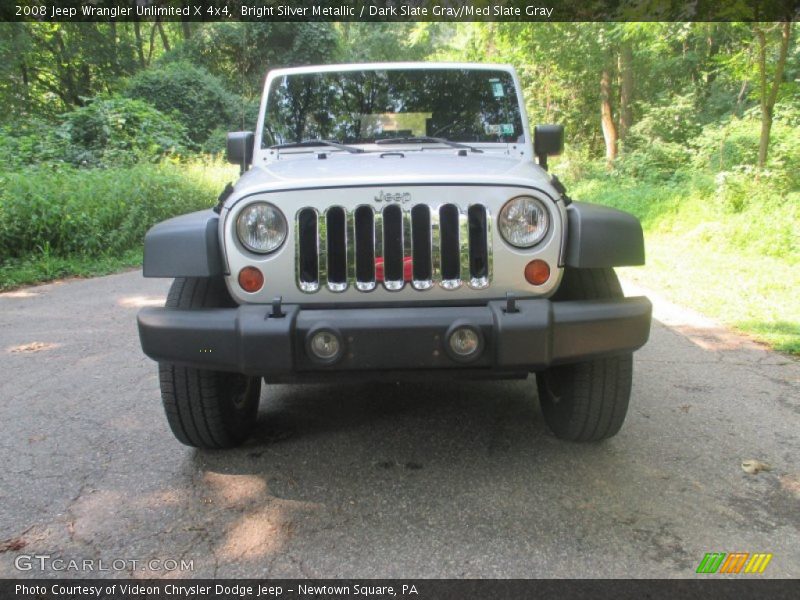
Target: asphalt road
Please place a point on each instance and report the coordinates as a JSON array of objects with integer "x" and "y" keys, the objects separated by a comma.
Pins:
[{"x": 423, "y": 480}]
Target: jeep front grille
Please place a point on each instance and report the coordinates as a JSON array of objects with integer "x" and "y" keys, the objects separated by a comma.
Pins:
[{"x": 422, "y": 246}]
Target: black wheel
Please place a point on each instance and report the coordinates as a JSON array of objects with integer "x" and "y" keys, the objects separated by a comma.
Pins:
[
  {"x": 207, "y": 409},
  {"x": 587, "y": 401}
]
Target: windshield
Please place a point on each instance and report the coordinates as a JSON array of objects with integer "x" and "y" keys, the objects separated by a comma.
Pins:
[{"x": 360, "y": 107}]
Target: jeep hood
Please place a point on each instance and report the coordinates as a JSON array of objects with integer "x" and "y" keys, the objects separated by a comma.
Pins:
[{"x": 392, "y": 168}]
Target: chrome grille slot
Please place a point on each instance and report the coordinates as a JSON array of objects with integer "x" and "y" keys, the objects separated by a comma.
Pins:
[
  {"x": 393, "y": 247},
  {"x": 449, "y": 246},
  {"x": 422, "y": 245},
  {"x": 307, "y": 250},
  {"x": 336, "y": 222},
  {"x": 421, "y": 254},
  {"x": 365, "y": 248},
  {"x": 478, "y": 246}
]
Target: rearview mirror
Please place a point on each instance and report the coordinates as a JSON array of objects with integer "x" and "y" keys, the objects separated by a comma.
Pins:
[
  {"x": 548, "y": 140},
  {"x": 240, "y": 148}
]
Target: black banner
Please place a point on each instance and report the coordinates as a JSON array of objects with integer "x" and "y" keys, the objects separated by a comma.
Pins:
[
  {"x": 399, "y": 10},
  {"x": 376, "y": 589}
]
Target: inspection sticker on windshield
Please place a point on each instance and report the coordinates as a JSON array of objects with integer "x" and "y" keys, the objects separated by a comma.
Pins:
[
  {"x": 497, "y": 88},
  {"x": 499, "y": 129}
]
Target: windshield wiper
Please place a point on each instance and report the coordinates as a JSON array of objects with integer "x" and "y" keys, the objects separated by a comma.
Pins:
[
  {"x": 306, "y": 143},
  {"x": 425, "y": 139}
]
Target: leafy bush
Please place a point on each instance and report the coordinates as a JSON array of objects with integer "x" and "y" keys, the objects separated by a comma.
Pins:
[
  {"x": 659, "y": 160},
  {"x": 729, "y": 145},
  {"x": 672, "y": 120},
  {"x": 31, "y": 141},
  {"x": 106, "y": 132},
  {"x": 738, "y": 211},
  {"x": 190, "y": 94},
  {"x": 658, "y": 145},
  {"x": 120, "y": 131},
  {"x": 658, "y": 148},
  {"x": 98, "y": 212}
]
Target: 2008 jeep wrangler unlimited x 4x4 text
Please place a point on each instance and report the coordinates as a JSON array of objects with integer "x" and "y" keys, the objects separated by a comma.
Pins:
[{"x": 393, "y": 221}]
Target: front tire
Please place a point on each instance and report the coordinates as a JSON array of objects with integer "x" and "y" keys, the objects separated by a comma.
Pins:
[
  {"x": 587, "y": 401},
  {"x": 206, "y": 409}
]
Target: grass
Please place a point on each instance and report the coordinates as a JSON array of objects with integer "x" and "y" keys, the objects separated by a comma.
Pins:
[
  {"x": 39, "y": 269},
  {"x": 735, "y": 259},
  {"x": 85, "y": 222}
]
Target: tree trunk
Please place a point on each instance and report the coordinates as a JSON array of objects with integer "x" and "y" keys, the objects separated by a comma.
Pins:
[
  {"x": 768, "y": 99},
  {"x": 26, "y": 95},
  {"x": 115, "y": 66},
  {"x": 186, "y": 25},
  {"x": 137, "y": 32},
  {"x": 163, "y": 34},
  {"x": 607, "y": 118},
  {"x": 737, "y": 111},
  {"x": 66, "y": 74},
  {"x": 152, "y": 46},
  {"x": 625, "y": 90}
]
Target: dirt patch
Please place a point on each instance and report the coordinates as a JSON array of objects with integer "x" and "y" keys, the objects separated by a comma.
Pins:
[
  {"x": 32, "y": 347},
  {"x": 19, "y": 294},
  {"x": 12, "y": 545},
  {"x": 791, "y": 483}
]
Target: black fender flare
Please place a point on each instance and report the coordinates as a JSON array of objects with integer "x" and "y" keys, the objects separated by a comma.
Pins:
[
  {"x": 600, "y": 236},
  {"x": 184, "y": 246}
]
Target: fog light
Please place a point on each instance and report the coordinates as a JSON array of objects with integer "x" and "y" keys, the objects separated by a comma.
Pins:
[
  {"x": 251, "y": 279},
  {"x": 537, "y": 272},
  {"x": 325, "y": 345},
  {"x": 464, "y": 342}
]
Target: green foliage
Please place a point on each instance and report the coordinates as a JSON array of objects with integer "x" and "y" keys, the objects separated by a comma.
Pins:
[
  {"x": 732, "y": 143},
  {"x": 106, "y": 132},
  {"x": 50, "y": 67},
  {"x": 377, "y": 42},
  {"x": 120, "y": 131},
  {"x": 672, "y": 120},
  {"x": 667, "y": 145},
  {"x": 98, "y": 212},
  {"x": 31, "y": 141},
  {"x": 189, "y": 94},
  {"x": 659, "y": 160},
  {"x": 240, "y": 54}
]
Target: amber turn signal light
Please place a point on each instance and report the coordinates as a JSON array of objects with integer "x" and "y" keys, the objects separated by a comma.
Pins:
[
  {"x": 251, "y": 279},
  {"x": 537, "y": 272}
]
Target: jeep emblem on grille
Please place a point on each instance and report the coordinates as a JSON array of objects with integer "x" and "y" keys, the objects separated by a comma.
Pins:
[{"x": 401, "y": 197}]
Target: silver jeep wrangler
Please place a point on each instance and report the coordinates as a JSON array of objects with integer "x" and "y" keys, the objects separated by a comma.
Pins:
[{"x": 393, "y": 221}]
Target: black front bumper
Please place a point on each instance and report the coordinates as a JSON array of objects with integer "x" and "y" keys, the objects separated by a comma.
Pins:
[{"x": 248, "y": 340}]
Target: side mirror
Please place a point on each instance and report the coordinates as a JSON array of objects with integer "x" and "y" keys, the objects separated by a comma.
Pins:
[
  {"x": 548, "y": 140},
  {"x": 240, "y": 148}
]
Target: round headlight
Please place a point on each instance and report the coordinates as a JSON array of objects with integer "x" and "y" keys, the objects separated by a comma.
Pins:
[
  {"x": 261, "y": 227},
  {"x": 523, "y": 221}
]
